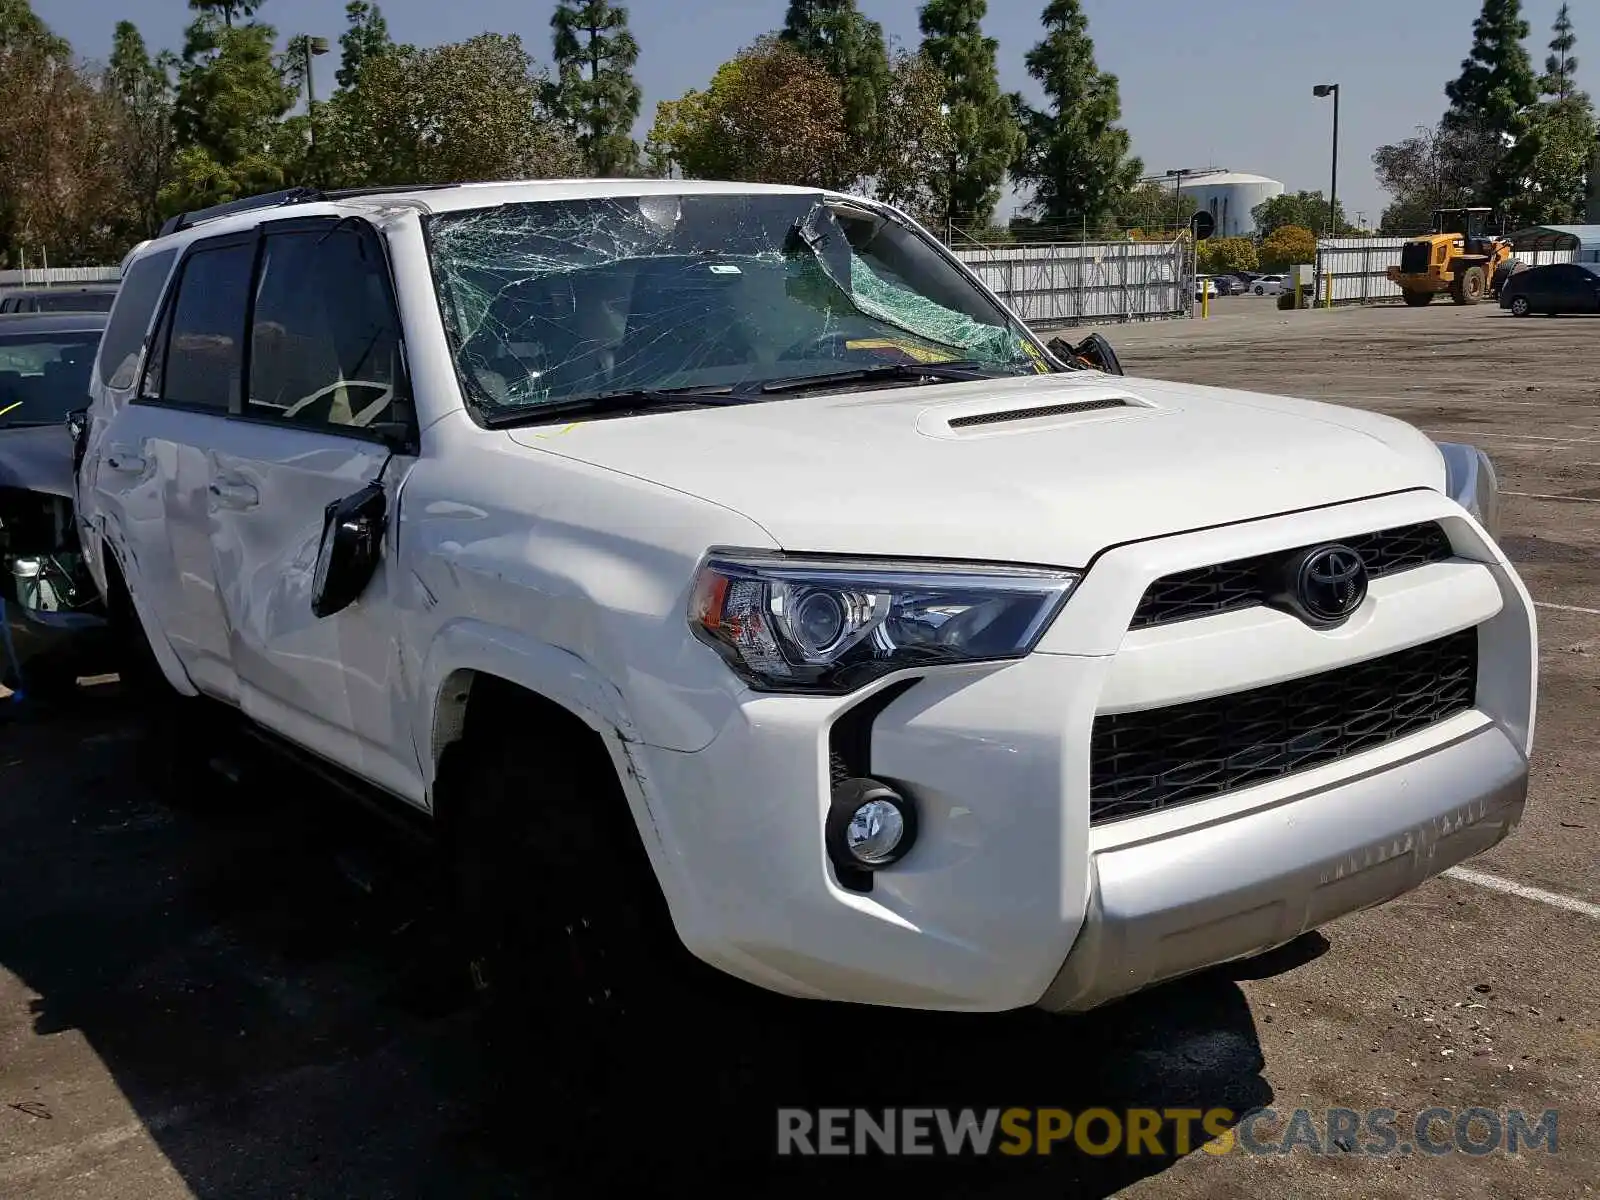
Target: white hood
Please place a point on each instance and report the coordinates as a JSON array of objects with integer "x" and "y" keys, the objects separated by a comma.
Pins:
[{"x": 884, "y": 472}]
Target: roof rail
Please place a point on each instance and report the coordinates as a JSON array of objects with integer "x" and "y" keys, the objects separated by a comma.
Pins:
[{"x": 294, "y": 195}]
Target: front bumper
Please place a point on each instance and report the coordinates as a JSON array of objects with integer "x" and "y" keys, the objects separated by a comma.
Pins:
[
  {"x": 1011, "y": 897},
  {"x": 1168, "y": 906}
]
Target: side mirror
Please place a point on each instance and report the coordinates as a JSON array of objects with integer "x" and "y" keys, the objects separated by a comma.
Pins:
[
  {"x": 1093, "y": 353},
  {"x": 352, "y": 545},
  {"x": 78, "y": 430}
]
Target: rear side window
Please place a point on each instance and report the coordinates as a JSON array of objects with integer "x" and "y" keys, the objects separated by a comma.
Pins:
[
  {"x": 130, "y": 318},
  {"x": 204, "y": 350}
]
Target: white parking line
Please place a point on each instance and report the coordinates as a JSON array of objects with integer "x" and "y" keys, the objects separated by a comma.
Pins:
[
  {"x": 1495, "y": 884},
  {"x": 1593, "y": 612},
  {"x": 1547, "y": 496}
]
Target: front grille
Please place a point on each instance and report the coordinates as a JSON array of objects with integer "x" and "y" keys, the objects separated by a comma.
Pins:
[
  {"x": 1141, "y": 762},
  {"x": 1414, "y": 257},
  {"x": 1247, "y": 582}
]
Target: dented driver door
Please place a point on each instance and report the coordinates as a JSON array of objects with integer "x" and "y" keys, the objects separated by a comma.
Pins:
[{"x": 325, "y": 414}]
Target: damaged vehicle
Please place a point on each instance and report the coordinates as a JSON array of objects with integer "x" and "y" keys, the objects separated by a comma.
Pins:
[
  {"x": 734, "y": 581},
  {"x": 47, "y": 598}
]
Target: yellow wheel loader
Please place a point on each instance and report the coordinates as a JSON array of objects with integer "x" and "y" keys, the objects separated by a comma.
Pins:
[{"x": 1456, "y": 258}]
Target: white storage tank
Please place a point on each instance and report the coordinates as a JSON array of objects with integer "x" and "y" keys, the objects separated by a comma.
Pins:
[{"x": 1230, "y": 196}]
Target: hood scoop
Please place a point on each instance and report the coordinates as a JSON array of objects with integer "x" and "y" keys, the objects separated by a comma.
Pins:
[
  {"x": 1029, "y": 414},
  {"x": 1007, "y": 416}
]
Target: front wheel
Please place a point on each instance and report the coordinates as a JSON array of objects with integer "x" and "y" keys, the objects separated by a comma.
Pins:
[
  {"x": 1520, "y": 306},
  {"x": 1469, "y": 286},
  {"x": 584, "y": 988}
]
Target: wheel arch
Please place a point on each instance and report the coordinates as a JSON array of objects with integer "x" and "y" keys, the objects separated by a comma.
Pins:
[
  {"x": 484, "y": 682},
  {"x": 124, "y": 606}
]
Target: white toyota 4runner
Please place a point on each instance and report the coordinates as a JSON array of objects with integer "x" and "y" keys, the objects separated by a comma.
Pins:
[{"x": 729, "y": 549}]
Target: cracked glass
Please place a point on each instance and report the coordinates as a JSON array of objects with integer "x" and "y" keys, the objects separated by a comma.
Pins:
[{"x": 562, "y": 301}]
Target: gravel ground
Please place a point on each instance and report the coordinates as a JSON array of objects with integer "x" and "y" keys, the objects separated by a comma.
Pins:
[{"x": 244, "y": 998}]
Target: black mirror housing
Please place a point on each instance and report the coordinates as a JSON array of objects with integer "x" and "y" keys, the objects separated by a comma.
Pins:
[{"x": 352, "y": 546}]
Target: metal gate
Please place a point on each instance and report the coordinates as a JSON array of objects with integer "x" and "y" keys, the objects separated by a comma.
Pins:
[{"x": 1078, "y": 283}]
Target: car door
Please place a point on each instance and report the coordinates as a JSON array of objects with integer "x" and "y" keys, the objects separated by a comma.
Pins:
[
  {"x": 152, "y": 471},
  {"x": 1578, "y": 289},
  {"x": 325, "y": 381},
  {"x": 1544, "y": 289}
]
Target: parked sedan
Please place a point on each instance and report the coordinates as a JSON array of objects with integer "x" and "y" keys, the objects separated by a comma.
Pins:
[
  {"x": 1267, "y": 285},
  {"x": 92, "y": 297},
  {"x": 1557, "y": 288}
]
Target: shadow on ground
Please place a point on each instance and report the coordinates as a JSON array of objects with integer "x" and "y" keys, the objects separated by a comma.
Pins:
[{"x": 264, "y": 983}]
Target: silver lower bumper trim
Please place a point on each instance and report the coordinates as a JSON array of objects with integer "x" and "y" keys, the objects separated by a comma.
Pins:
[{"x": 1190, "y": 900}]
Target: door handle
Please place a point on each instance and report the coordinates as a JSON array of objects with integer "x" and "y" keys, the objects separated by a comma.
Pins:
[
  {"x": 125, "y": 459},
  {"x": 229, "y": 494}
]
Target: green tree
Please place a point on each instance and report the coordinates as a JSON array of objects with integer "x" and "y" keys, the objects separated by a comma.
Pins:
[
  {"x": 226, "y": 9},
  {"x": 1561, "y": 65},
  {"x": 1150, "y": 206},
  {"x": 1286, "y": 246},
  {"x": 1306, "y": 209},
  {"x": 911, "y": 163},
  {"x": 1224, "y": 256},
  {"x": 139, "y": 90},
  {"x": 365, "y": 37},
  {"x": 1077, "y": 157},
  {"x": 22, "y": 30},
  {"x": 1491, "y": 99},
  {"x": 231, "y": 99},
  {"x": 850, "y": 48},
  {"x": 1440, "y": 166},
  {"x": 771, "y": 115},
  {"x": 984, "y": 133},
  {"x": 1551, "y": 185},
  {"x": 470, "y": 110},
  {"x": 595, "y": 90}
]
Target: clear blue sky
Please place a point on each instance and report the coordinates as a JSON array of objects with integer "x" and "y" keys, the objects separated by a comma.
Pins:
[{"x": 1224, "y": 83}]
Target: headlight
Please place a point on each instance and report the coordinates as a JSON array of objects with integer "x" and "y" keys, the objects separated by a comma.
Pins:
[
  {"x": 1470, "y": 481},
  {"x": 797, "y": 624}
]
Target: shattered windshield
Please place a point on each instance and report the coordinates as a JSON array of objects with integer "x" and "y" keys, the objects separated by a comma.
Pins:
[{"x": 556, "y": 302}]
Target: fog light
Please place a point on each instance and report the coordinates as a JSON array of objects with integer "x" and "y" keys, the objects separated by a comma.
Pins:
[{"x": 870, "y": 825}]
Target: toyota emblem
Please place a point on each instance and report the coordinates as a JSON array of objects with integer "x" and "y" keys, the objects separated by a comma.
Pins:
[{"x": 1330, "y": 583}]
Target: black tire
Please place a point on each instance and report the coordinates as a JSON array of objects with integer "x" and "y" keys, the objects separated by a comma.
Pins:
[
  {"x": 1469, "y": 286},
  {"x": 1417, "y": 299},
  {"x": 180, "y": 734},
  {"x": 585, "y": 992},
  {"x": 1520, "y": 306}
]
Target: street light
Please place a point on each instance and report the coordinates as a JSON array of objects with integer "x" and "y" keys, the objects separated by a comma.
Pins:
[
  {"x": 312, "y": 47},
  {"x": 1324, "y": 90}
]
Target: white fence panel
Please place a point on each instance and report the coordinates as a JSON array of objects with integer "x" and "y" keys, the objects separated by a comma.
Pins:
[
  {"x": 1358, "y": 267},
  {"x": 1078, "y": 283},
  {"x": 46, "y": 276}
]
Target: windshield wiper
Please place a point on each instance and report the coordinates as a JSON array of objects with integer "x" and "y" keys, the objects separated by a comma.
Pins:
[
  {"x": 609, "y": 403},
  {"x": 966, "y": 368}
]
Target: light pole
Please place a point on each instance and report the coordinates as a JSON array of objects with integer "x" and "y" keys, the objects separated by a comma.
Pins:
[
  {"x": 1332, "y": 89},
  {"x": 312, "y": 47},
  {"x": 1177, "y": 194}
]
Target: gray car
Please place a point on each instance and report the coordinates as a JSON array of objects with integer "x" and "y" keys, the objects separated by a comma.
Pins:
[
  {"x": 61, "y": 298},
  {"x": 45, "y": 596}
]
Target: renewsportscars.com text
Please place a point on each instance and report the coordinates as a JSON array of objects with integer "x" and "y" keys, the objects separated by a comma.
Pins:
[{"x": 1377, "y": 1132}]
